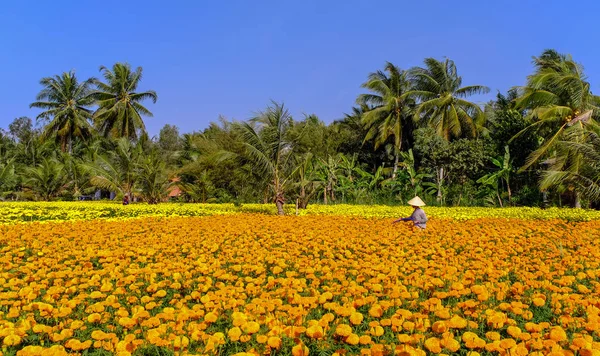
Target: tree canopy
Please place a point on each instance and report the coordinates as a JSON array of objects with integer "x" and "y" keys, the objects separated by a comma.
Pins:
[{"x": 412, "y": 131}]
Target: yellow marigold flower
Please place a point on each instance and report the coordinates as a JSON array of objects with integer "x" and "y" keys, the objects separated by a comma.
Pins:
[
  {"x": 433, "y": 345},
  {"x": 343, "y": 330},
  {"x": 439, "y": 327},
  {"x": 274, "y": 342},
  {"x": 315, "y": 331},
  {"x": 251, "y": 327},
  {"x": 376, "y": 311},
  {"x": 98, "y": 335},
  {"x": 300, "y": 350},
  {"x": 127, "y": 322},
  {"x": 11, "y": 340},
  {"x": 180, "y": 342},
  {"x": 513, "y": 331},
  {"x": 492, "y": 335},
  {"x": 352, "y": 339},
  {"x": 210, "y": 317},
  {"x": 538, "y": 302},
  {"x": 356, "y": 318},
  {"x": 234, "y": 333},
  {"x": 364, "y": 340},
  {"x": 450, "y": 344},
  {"x": 94, "y": 318},
  {"x": 558, "y": 334},
  {"x": 377, "y": 331}
]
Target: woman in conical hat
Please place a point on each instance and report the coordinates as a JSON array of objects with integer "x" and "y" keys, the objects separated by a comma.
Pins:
[{"x": 418, "y": 216}]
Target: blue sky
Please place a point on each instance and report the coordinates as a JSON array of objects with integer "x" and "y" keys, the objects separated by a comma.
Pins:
[{"x": 230, "y": 58}]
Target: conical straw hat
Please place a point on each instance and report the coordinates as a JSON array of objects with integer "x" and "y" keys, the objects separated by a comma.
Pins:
[{"x": 416, "y": 201}]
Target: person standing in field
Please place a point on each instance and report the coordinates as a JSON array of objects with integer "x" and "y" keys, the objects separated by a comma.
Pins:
[{"x": 418, "y": 216}]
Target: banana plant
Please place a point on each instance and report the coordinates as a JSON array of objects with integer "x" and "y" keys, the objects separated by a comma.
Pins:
[{"x": 502, "y": 175}]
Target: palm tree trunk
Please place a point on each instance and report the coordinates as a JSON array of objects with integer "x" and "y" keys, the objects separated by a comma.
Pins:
[
  {"x": 279, "y": 200},
  {"x": 279, "y": 208},
  {"x": 396, "y": 160},
  {"x": 577, "y": 202},
  {"x": 439, "y": 181}
]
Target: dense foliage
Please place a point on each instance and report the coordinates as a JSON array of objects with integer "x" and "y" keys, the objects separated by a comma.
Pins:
[{"x": 412, "y": 132}]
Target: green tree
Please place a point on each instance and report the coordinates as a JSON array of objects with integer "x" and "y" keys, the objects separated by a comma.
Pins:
[
  {"x": 169, "y": 140},
  {"x": 117, "y": 169},
  {"x": 267, "y": 147},
  {"x": 442, "y": 100},
  {"x": 328, "y": 171},
  {"x": 66, "y": 103},
  {"x": 22, "y": 130},
  {"x": 348, "y": 138},
  {"x": 47, "y": 179},
  {"x": 500, "y": 176},
  {"x": 415, "y": 178},
  {"x": 200, "y": 189},
  {"x": 557, "y": 95},
  {"x": 559, "y": 100},
  {"x": 389, "y": 108},
  {"x": 8, "y": 178},
  {"x": 120, "y": 110},
  {"x": 306, "y": 178},
  {"x": 153, "y": 180},
  {"x": 575, "y": 165}
]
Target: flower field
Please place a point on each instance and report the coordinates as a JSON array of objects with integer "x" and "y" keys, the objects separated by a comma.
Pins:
[
  {"x": 329, "y": 282},
  {"x": 19, "y": 212}
]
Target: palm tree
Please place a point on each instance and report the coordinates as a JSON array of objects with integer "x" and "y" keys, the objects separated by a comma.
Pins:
[
  {"x": 117, "y": 169},
  {"x": 557, "y": 96},
  {"x": 441, "y": 99},
  {"x": 576, "y": 163},
  {"x": 120, "y": 112},
  {"x": 153, "y": 180},
  {"x": 266, "y": 146},
  {"x": 389, "y": 108},
  {"x": 47, "y": 179},
  {"x": 8, "y": 178},
  {"x": 66, "y": 108},
  {"x": 329, "y": 174},
  {"x": 307, "y": 182},
  {"x": 200, "y": 189}
]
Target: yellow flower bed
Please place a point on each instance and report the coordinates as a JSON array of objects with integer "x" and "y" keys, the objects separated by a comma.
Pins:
[
  {"x": 254, "y": 284},
  {"x": 19, "y": 212}
]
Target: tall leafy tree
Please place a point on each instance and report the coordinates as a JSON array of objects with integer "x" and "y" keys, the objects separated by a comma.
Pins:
[
  {"x": 267, "y": 147},
  {"x": 8, "y": 178},
  {"x": 557, "y": 96},
  {"x": 120, "y": 110},
  {"x": 390, "y": 106},
  {"x": 153, "y": 180},
  {"x": 48, "y": 179},
  {"x": 442, "y": 100},
  {"x": 117, "y": 169},
  {"x": 500, "y": 176},
  {"x": 307, "y": 181},
  {"x": 66, "y": 104},
  {"x": 576, "y": 164}
]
